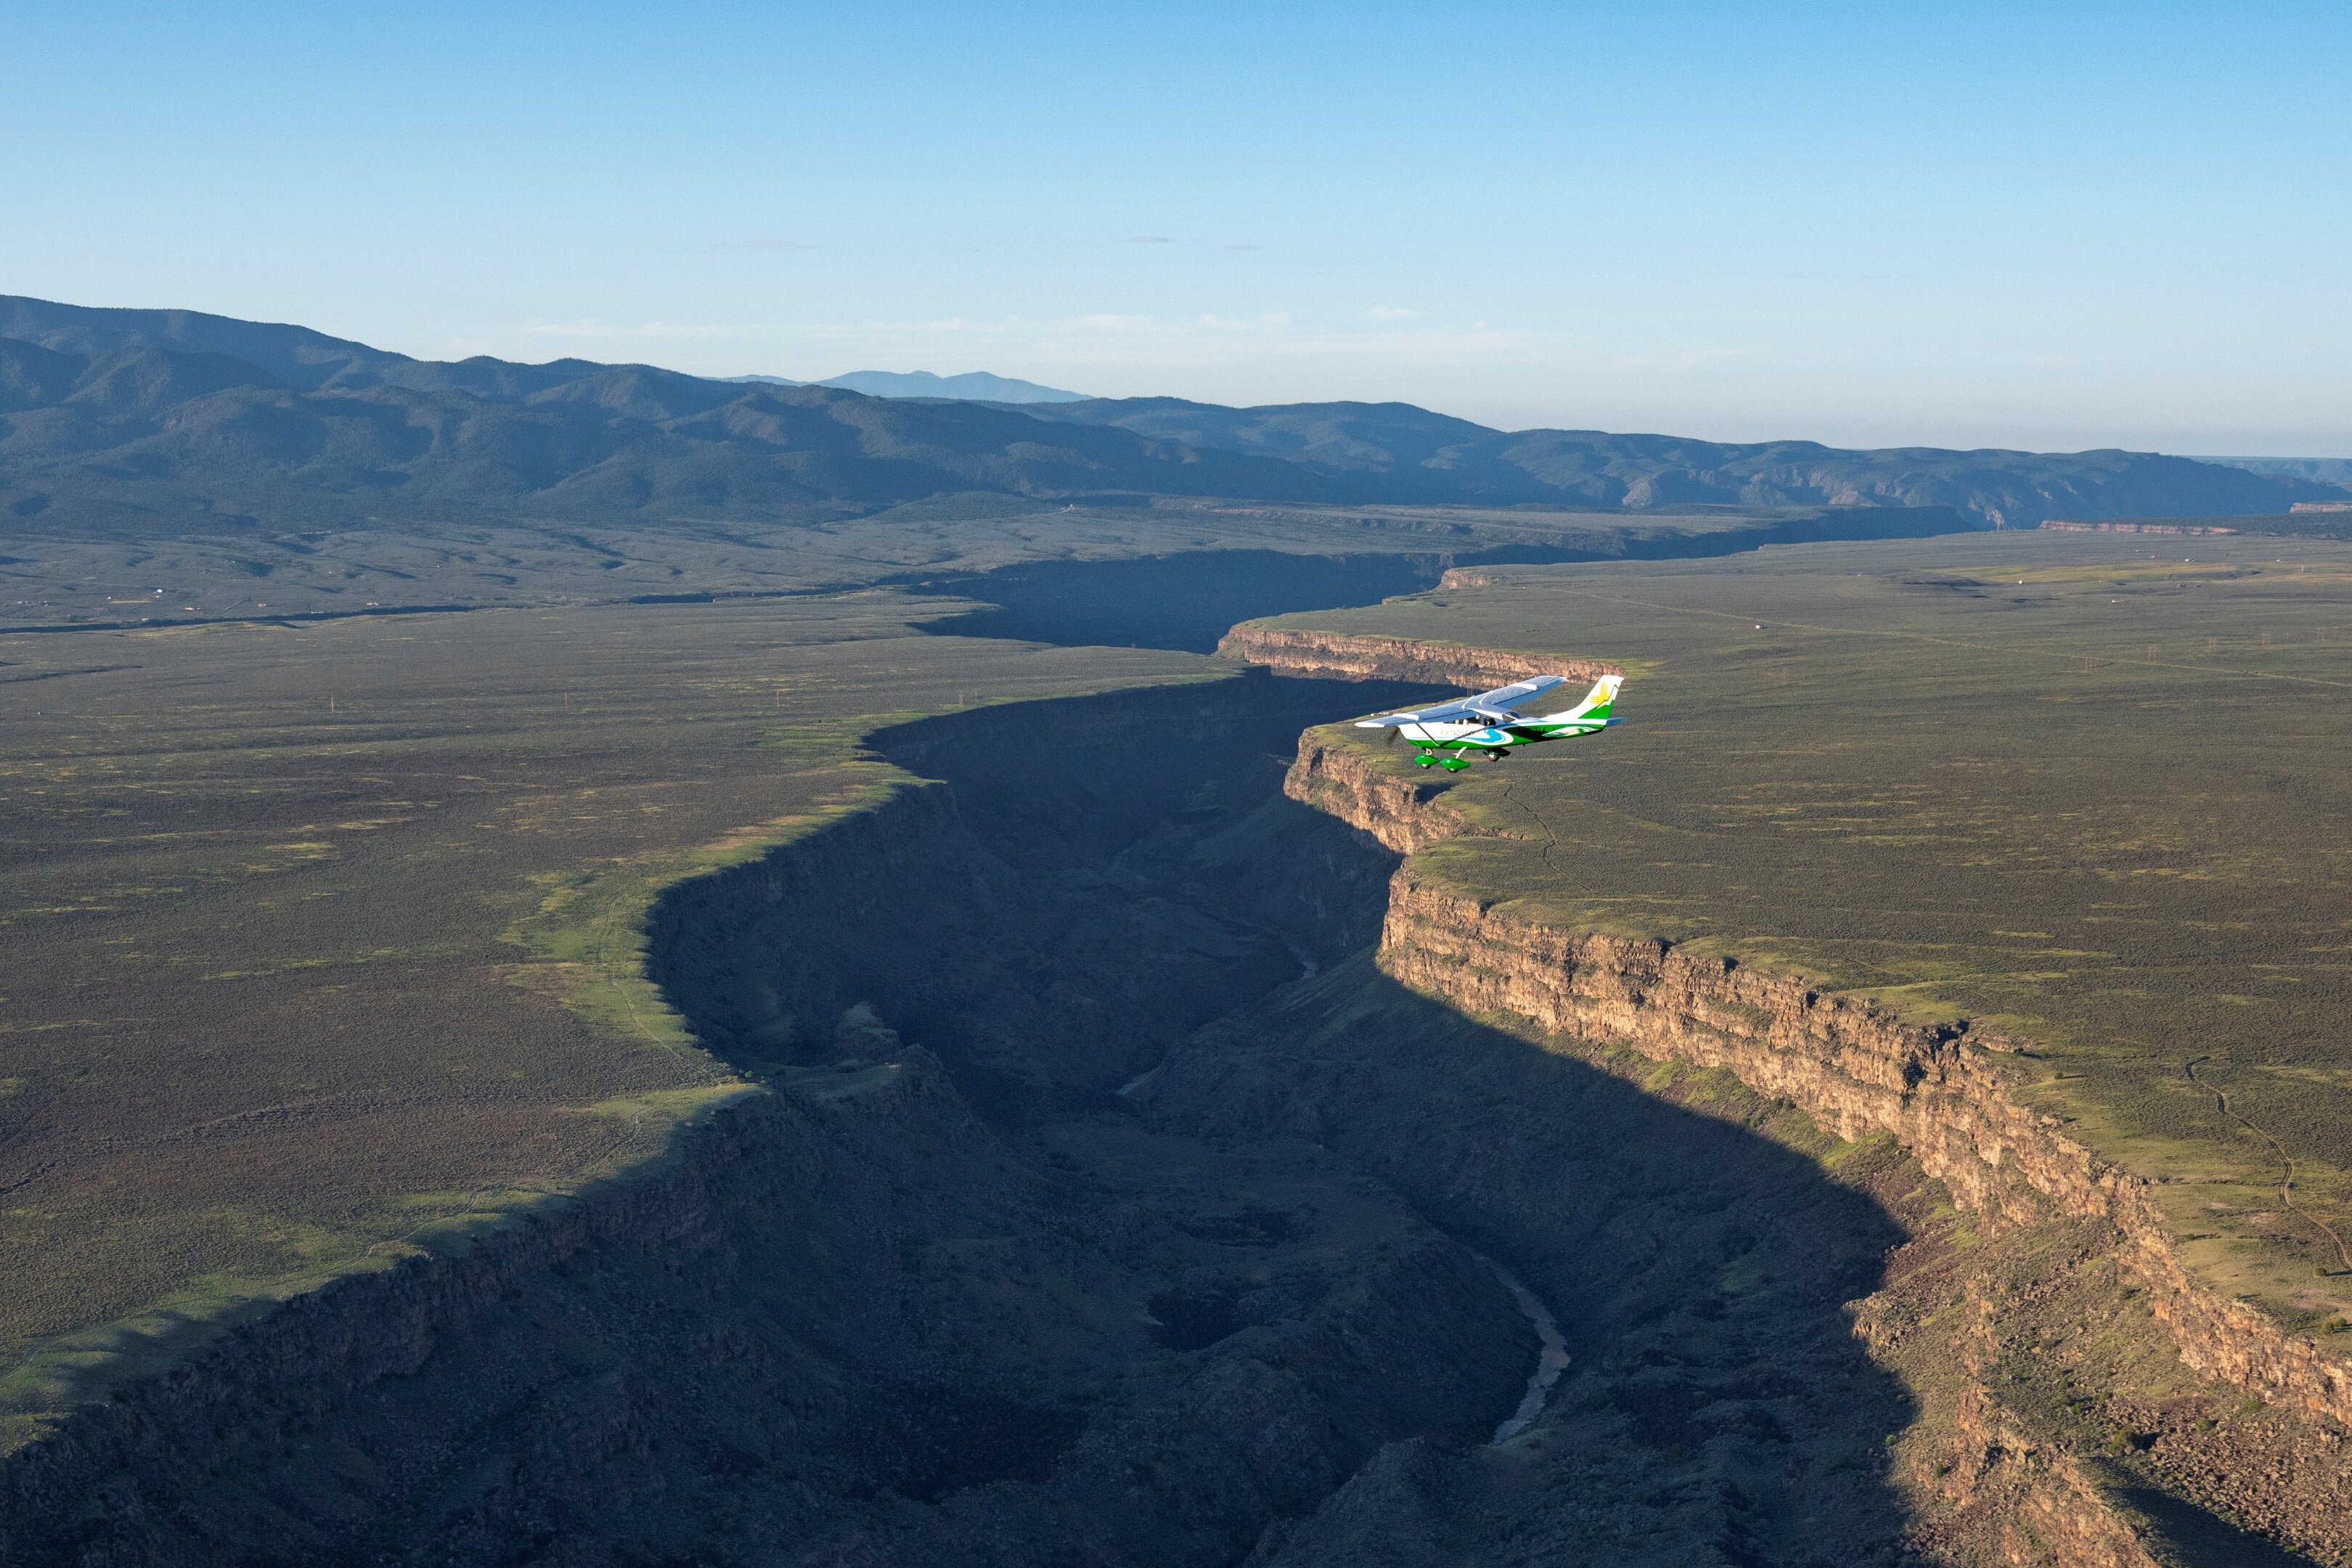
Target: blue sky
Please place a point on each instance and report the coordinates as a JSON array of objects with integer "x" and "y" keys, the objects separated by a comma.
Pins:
[{"x": 2048, "y": 226}]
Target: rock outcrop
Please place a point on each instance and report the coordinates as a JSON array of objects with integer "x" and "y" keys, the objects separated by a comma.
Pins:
[
  {"x": 1941, "y": 1089},
  {"x": 909, "y": 1297},
  {"x": 1857, "y": 1070},
  {"x": 1947, "y": 1091},
  {"x": 1294, "y": 652},
  {"x": 896, "y": 1301},
  {"x": 1405, "y": 814},
  {"x": 2053, "y": 525}
]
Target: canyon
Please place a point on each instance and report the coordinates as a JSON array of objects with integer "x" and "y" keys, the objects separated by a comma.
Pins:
[
  {"x": 938, "y": 1292},
  {"x": 1938, "y": 1088}
]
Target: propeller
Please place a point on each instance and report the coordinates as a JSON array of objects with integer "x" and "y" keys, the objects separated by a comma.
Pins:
[{"x": 1388, "y": 735}]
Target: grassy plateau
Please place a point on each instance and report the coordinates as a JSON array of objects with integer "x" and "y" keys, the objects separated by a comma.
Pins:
[
  {"x": 322, "y": 925},
  {"x": 2092, "y": 789},
  {"x": 323, "y": 943}
]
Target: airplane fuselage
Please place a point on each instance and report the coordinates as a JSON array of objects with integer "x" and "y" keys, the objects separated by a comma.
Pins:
[
  {"x": 1461, "y": 739},
  {"x": 1489, "y": 724}
]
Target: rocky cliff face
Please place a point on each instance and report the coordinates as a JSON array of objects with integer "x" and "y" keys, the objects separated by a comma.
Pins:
[
  {"x": 1938, "y": 1089},
  {"x": 1404, "y": 813},
  {"x": 1013, "y": 1293},
  {"x": 1394, "y": 658},
  {"x": 1945, "y": 1092},
  {"x": 901, "y": 1302},
  {"x": 1773, "y": 1356}
]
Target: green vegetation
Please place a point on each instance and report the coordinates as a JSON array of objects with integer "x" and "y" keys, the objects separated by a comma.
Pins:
[
  {"x": 159, "y": 428},
  {"x": 323, "y": 943},
  {"x": 1411, "y": 454},
  {"x": 52, "y": 577},
  {"x": 2090, "y": 789},
  {"x": 329, "y": 943}
]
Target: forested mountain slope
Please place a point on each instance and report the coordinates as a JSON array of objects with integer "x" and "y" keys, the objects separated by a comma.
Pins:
[
  {"x": 155, "y": 424},
  {"x": 1411, "y": 454}
]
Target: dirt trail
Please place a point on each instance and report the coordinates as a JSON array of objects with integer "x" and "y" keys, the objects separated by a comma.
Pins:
[{"x": 2287, "y": 1162}]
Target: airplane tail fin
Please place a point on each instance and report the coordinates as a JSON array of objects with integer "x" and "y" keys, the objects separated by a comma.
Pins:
[{"x": 1598, "y": 701}]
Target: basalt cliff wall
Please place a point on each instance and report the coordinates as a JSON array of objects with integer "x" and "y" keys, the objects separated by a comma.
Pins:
[
  {"x": 1858, "y": 1071},
  {"x": 1941, "y": 1087},
  {"x": 1395, "y": 658},
  {"x": 1405, "y": 814},
  {"x": 1949, "y": 1093},
  {"x": 895, "y": 1302},
  {"x": 907, "y": 1300}
]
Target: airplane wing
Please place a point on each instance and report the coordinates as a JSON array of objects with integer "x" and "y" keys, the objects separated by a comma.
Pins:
[
  {"x": 1494, "y": 707},
  {"x": 1519, "y": 691}
]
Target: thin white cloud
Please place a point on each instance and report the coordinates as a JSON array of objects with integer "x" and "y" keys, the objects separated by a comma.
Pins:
[
  {"x": 852, "y": 331},
  {"x": 1148, "y": 239},
  {"x": 1212, "y": 341},
  {"x": 1393, "y": 313},
  {"x": 594, "y": 329}
]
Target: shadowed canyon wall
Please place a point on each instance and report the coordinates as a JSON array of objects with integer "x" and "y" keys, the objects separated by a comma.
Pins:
[
  {"x": 1938, "y": 1090},
  {"x": 942, "y": 1292}
]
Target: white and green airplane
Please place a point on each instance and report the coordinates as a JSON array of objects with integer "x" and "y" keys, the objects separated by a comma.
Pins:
[{"x": 1490, "y": 724}]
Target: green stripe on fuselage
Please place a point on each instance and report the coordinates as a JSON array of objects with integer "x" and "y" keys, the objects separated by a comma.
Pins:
[{"x": 1515, "y": 735}]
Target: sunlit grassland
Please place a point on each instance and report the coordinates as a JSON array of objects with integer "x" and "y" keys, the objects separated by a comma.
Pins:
[
  {"x": 2094, "y": 791},
  {"x": 99, "y": 578},
  {"x": 324, "y": 944}
]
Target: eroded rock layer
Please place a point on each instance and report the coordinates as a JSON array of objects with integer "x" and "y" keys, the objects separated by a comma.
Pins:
[
  {"x": 1107, "y": 1200},
  {"x": 1944, "y": 1093},
  {"x": 1317, "y": 653},
  {"x": 933, "y": 1294}
]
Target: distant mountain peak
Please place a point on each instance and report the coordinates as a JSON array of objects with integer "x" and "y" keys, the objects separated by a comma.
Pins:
[
  {"x": 148, "y": 417},
  {"x": 975, "y": 386}
]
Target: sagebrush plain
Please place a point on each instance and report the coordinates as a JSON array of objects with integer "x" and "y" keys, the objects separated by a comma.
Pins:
[
  {"x": 323, "y": 942},
  {"x": 2085, "y": 789}
]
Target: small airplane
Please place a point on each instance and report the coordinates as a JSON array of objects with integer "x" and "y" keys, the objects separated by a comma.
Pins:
[{"x": 1489, "y": 724}]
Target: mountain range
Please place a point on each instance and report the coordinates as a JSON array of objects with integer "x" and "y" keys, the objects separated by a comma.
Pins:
[
  {"x": 157, "y": 423},
  {"x": 1410, "y": 454},
  {"x": 973, "y": 387},
  {"x": 2327, "y": 470}
]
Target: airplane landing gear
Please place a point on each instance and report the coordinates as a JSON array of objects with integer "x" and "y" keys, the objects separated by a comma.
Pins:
[
  {"x": 1426, "y": 759},
  {"x": 1455, "y": 764}
]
